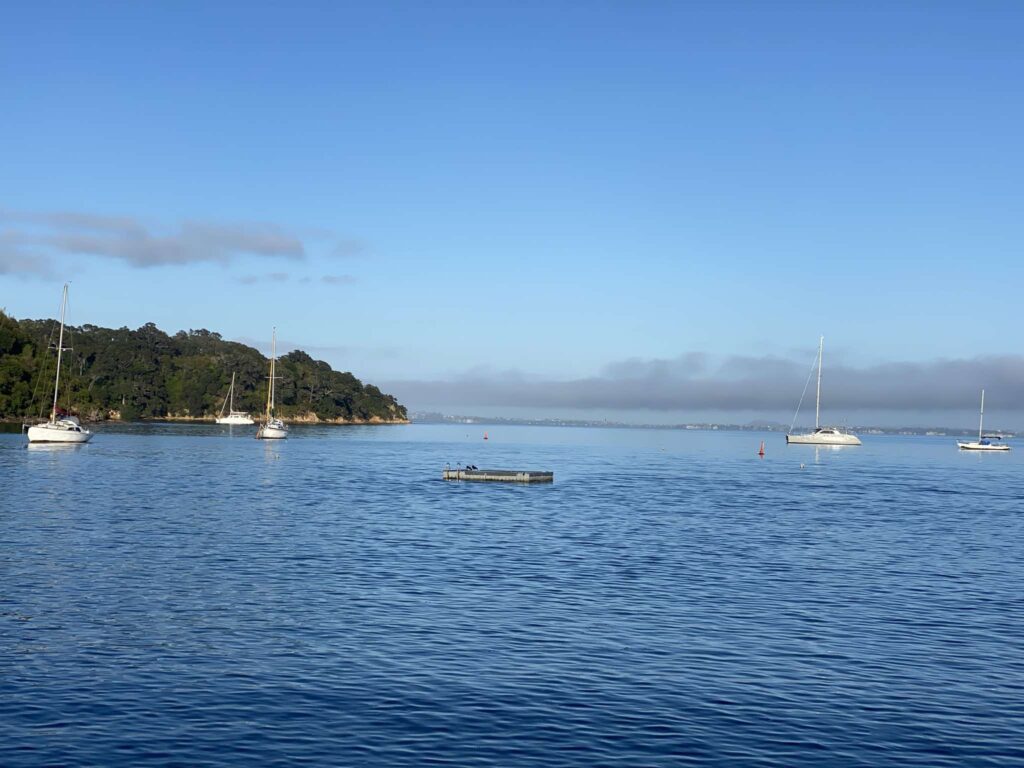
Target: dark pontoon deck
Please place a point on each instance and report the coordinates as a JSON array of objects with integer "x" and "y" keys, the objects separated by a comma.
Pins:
[{"x": 499, "y": 475}]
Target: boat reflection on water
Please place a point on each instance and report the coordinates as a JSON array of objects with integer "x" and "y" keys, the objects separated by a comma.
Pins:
[
  {"x": 271, "y": 455},
  {"x": 52, "y": 447},
  {"x": 826, "y": 449}
]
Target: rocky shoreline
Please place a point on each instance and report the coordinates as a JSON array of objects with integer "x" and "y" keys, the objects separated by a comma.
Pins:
[{"x": 305, "y": 418}]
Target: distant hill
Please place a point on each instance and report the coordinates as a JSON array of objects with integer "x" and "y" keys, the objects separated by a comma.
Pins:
[{"x": 145, "y": 373}]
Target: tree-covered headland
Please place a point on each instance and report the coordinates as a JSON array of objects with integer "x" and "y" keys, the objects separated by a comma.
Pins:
[{"x": 147, "y": 374}]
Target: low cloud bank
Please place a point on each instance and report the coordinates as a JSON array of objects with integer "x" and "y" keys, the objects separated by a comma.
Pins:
[
  {"x": 29, "y": 241},
  {"x": 693, "y": 382}
]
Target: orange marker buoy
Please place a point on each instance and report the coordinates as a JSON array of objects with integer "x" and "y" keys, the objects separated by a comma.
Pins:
[{"x": 761, "y": 452}]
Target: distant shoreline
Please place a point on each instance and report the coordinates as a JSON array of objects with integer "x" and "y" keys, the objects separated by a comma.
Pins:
[
  {"x": 481, "y": 421},
  {"x": 433, "y": 418}
]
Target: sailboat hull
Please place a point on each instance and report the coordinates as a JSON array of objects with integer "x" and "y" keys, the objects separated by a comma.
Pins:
[
  {"x": 272, "y": 430},
  {"x": 983, "y": 447},
  {"x": 819, "y": 438},
  {"x": 236, "y": 419},
  {"x": 58, "y": 433}
]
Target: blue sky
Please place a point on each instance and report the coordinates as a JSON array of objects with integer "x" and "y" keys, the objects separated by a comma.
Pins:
[{"x": 536, "y": 190}]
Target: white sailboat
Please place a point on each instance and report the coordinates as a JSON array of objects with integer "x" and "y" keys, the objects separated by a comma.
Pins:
[
  {"x": 59, "y": 429},
  {"x": 272, "y": 428},
  {"x": 233, "y": 417},
  {"x": 822, "y": 435},
  {"x": 984, "y": 442}
]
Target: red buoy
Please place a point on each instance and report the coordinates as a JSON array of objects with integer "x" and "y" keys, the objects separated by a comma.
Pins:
[
  {"x": 761, "y": 452},
  {"x": 485, "y": 435}
]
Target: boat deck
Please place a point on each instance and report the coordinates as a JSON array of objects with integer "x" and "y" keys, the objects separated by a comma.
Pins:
[{"x": 499, "y": 475}]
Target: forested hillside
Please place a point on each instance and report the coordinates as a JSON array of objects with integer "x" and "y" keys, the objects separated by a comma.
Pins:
[{"x": 145, "y": 373}]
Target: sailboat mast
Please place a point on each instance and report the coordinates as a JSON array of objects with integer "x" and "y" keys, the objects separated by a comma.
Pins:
[
  {"x": 60, "y": 349},
  {"x": 273, "y": 361},
  {"x": 229, "y": 399},
  {"x": 817, "y": 400},
  {"x": 981, "y": 419}
]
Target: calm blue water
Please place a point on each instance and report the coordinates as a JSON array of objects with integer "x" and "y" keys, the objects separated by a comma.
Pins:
[{"x": 178, "y": 595}]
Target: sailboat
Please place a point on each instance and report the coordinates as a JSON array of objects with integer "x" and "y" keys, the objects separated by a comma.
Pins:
[
  {"x": 984, "y": 442},
  {"x": 822, "y": 435},
  {"x": 60, "y": 428},
  {"x": 233, "y": 417},
  {"x": 272, "y": 428}
]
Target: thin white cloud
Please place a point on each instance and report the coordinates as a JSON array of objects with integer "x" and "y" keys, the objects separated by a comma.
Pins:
[
  {"x": 71, "y": 220},
  {"x": 271, "y": 277},
  {"x": 338, "y": 279},
  {"x": 19, "y": 260},
  {"x": 349, "y": 248},
  {"x": 128, "y": 239}
]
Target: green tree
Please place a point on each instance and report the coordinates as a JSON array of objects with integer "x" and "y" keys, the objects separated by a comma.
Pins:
[{"x": 145, "y": 373}]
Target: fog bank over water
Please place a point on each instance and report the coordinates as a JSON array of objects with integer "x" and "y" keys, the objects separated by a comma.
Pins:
[
  {"x": 954, "y": 421},
  {"x": 697, "y": 387}
]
